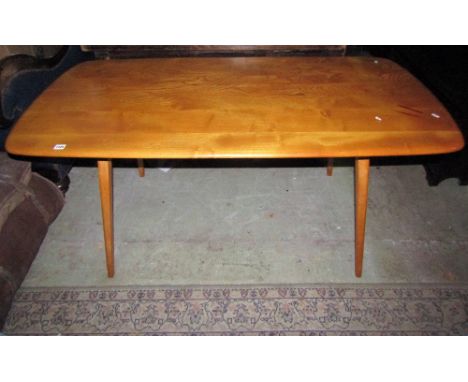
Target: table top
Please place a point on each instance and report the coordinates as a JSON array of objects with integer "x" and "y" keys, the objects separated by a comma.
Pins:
[{"x": 235, "y": 107}]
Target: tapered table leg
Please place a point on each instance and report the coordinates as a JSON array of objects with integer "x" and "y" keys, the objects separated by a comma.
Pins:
[
  {"x": 141, "y": 167},
  {"x": 330, "y": 166},
  {"x": 361, "y": 184},
  {"x": 105, "y": 188}
]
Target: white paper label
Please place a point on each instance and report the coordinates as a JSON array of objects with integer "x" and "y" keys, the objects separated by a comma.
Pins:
[{"x": 60, "y": 146}]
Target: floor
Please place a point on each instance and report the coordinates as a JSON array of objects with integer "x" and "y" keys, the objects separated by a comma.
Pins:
[{"x": 256, "y": 224}]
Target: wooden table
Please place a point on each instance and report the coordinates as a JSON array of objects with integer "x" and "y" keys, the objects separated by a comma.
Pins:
[{"x": 255, "y": 107}]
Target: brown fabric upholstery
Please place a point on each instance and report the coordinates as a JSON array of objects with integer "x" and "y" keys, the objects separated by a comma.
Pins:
[
  {"x": 28, "y": 204},
  {"x": 14, "y": 171}
]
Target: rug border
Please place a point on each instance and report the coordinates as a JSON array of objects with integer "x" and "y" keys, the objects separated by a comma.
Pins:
[
  {"x": 244, "y": 286},
  {"x": 61, "y": 298}
]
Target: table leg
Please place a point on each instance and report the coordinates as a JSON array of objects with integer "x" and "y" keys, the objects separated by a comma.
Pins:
[
  {"x": 105, "y": 188},
  {"x": 330, "y": 166},
  {"x": 141, "y": 167},
  {"x": 361, "y": 184}
]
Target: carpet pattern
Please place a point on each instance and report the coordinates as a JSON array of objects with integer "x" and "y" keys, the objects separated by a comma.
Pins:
[{"x": 262, "y": 310}]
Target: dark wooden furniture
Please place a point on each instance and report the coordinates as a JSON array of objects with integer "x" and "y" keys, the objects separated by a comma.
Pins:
[
  {"x": 147, "y": 51},
  {"x": 443, "y": 69}
]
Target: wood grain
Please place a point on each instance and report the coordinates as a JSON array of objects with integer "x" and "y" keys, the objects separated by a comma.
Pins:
[
  {"x": 243, "y": 107},
  {"x": 141, "y": 167},
  {"x": 361, "y": 191},
  {"x": 330, "y": 166},
  {"x": 106, "y": 192}
]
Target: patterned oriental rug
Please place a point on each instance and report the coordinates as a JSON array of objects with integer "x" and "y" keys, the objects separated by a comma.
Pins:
[{"x": 248, "y": 310}]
